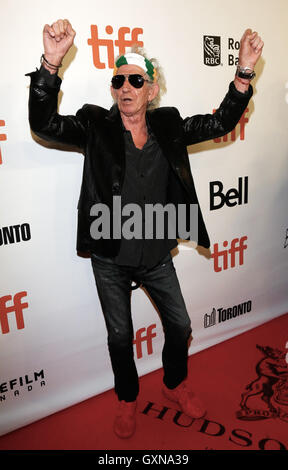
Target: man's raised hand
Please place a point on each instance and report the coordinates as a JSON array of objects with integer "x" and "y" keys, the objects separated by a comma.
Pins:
[
  {"x": 251, "y": 46},
  {"x": 57, "y": 40}
]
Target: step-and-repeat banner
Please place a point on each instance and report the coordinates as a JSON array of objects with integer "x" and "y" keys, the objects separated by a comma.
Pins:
[{"x": 52, "y": 333}]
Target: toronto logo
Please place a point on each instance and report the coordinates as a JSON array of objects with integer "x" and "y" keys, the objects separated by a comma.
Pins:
[
  {"x": 14, "y": 234},
  {"x": 227, "y": 313},
  {"x": 267, "y": 395}
]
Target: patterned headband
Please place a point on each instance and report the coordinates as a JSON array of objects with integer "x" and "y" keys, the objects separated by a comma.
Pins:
[{"x": 131, "y": 58}]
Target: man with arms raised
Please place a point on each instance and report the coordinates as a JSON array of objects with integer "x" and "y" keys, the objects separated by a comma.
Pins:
[{"x": 140, "y": 154}]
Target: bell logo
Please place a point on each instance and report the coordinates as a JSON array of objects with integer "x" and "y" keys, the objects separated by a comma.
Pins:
[
  {"x": 141, "y": 337},
  {"x": 16, "y": 308},
  {"x": 232, "y": 197},
  {"x": 237, "y": 245},
  {"x": 2, "y": 137},
  {"x": 121, "y": 42}
]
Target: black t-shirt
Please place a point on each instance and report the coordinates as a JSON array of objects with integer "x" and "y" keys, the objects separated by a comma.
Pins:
[{"x": 145, "y": 182}]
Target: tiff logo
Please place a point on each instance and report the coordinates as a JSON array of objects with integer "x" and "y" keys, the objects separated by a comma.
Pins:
[
  {"x": 2, "y": 137},
  {"x": 237, "y": 245},
  {"x": 121, "y": 42},
  {"x": 17, "y": 308},
  {"x": 232, "y": 135},
  {"x": 141, "y": 337}
]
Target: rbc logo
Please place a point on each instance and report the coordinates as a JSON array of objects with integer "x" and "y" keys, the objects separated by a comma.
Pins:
[
  {"x": 121, "y": 42},
  {"x": 212, "y": 50}
]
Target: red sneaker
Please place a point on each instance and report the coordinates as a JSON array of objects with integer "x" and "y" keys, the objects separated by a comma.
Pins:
[
  {"x": 125, "y": 421},
  {"x": 189, "y": 404}
]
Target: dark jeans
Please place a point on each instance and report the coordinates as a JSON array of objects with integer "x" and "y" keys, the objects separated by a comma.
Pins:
[{"x": 114, "y": 290}]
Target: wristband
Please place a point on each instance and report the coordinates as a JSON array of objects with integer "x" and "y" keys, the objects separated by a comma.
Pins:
[{"x": 43, "y": 59}]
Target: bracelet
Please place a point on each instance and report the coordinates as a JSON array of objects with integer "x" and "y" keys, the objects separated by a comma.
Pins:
[
  {"x": 241, "y": 80},
  {"x": 242, "y": 72},
  {"x": 43, "y": 59}
]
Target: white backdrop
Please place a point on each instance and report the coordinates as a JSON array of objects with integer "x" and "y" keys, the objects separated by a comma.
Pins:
[{"x": 58, "y": 355}]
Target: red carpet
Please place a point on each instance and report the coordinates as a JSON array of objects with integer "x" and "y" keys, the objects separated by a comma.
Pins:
[{"x": 219, "y": 375}]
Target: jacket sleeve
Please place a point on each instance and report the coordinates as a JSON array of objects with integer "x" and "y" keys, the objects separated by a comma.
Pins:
[
  {"x": 209, "y": 126},
  {"x": 44, "y": 119}
]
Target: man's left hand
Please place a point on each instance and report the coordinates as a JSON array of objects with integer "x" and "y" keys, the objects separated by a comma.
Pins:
[{"x": 251, "y": 46}]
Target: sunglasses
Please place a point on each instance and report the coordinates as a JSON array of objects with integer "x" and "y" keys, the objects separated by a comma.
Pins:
[{"x": 135, "y": 79}]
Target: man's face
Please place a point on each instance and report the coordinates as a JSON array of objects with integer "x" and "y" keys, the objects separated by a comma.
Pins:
[{"x": 133, "y": 101}]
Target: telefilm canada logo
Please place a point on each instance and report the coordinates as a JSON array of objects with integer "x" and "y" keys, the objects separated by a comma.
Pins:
[
  {"x": 222, "y": 314},
  {"x": 19, "y": 385}
]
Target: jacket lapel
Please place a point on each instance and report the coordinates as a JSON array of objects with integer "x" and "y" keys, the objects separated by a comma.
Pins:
[
  {"x": 165, "y": 134},
  {"x": 167, "y": 129},
  {"x": 115, "y": 137}
]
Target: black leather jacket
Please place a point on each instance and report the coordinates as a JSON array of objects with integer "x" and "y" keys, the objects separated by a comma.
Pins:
[{"x": 98, "y": 132}]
